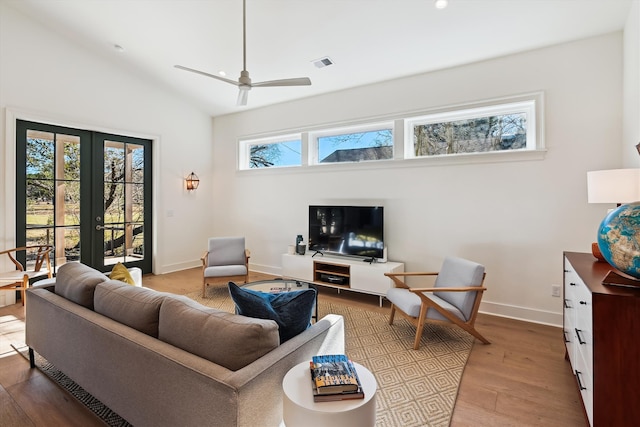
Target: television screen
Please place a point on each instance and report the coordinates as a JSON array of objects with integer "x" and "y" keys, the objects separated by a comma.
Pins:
[{"x": 347, "y": 230}]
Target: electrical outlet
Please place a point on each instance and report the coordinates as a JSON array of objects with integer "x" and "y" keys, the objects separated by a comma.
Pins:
[{"x": 555, "y": 290}]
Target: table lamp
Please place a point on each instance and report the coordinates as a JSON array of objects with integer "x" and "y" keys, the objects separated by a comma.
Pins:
[{"x": 617, "y": 186}]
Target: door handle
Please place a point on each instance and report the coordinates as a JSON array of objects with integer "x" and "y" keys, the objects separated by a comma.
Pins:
[{"x": 99, "y": 227}]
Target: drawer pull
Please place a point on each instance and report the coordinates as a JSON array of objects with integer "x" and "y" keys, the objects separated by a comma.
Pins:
[
  {"x": 572, "y": 284},
  {"x": 580, "y": 386},
  {"x": 566, "y": 303},
  {"x": 564, "y": 333},
  {"x": 580, "y": 340},
  {"x": 583, "y": 302}
]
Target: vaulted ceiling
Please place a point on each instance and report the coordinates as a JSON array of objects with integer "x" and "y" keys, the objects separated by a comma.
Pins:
[{"x": 368, "y": 41}]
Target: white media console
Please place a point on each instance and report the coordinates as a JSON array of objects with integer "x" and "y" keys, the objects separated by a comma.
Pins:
[{"x": 341, "y": 273}]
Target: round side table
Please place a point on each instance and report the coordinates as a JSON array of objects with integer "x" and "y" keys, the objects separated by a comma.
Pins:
[{"x": 299, "y": 409}]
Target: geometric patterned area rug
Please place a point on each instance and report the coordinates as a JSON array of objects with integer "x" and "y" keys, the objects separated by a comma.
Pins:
[{"x": 416, "y": 388}]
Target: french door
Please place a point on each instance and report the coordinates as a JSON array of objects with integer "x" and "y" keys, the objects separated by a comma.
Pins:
[{"x": 86, "y": 193}]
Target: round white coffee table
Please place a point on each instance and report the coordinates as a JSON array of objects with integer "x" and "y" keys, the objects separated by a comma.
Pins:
[{"x": 299, "y": 409}]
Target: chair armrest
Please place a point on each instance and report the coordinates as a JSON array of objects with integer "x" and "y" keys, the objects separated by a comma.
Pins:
[
  {"x": 400, "y": 284},
  {"x": 8, "y": 252},
  {"x": 465, "y": 289},
  {"x": 419, "y": 273},
  {"x": 247, "y": 253},
  {"x": 203, "y": 258}
]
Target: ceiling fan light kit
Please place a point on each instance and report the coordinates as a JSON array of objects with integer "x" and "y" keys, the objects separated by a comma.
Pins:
[{"x": 244, "y": 81}]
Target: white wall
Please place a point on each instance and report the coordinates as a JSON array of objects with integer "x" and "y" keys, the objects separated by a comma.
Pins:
[
  {"x": 516, "y": 217},
  {"x": 46, "y": 77},
  {"x": 631, "y": 100}
]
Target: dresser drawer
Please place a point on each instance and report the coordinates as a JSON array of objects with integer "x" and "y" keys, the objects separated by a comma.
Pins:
[{"x": 583, "y": 326}]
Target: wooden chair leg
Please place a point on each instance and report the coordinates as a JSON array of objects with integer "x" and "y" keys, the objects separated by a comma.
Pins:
[
  {"x": 477, "y": 334},
  {"x": 393, "y": 313},
  {"x": 25, "y": 285},
  {"x": 420, "y": 326},
  {"x": 204, "y": 289}
]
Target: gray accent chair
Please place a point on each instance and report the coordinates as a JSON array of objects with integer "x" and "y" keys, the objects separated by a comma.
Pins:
[
  {"x": 454, "y": 297},
  {"x": 227, "y": 258}
]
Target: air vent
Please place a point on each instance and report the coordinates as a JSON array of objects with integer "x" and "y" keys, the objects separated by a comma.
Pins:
[{"x": 323, "y": 62}]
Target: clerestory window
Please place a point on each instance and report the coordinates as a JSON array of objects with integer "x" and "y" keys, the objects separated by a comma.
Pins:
[{"x": 495, "y": 128}]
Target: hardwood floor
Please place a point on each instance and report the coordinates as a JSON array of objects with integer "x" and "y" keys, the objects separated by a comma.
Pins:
[{"x": 520, "y": 379}]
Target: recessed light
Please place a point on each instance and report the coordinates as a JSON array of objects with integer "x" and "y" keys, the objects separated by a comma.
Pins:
[
  {"x": 222, "y": 73},
  {"x": 118, "y": 48},
  {"x": 441, "y": 4}
]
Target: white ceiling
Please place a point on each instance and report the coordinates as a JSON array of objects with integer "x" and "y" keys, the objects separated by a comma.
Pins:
[{"x": 368, "y": 40}]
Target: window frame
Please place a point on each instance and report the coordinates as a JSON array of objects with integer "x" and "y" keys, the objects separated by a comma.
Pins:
[
  {"x": 529, "y": 105},
  {"x": 402, "y": 137}
]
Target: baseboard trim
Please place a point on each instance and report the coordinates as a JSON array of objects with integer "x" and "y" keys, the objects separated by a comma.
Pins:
[
  {"x": 525, "y": 314},
  {"x": 172, "y": 268},
  {"x": 265, "y": 269}
]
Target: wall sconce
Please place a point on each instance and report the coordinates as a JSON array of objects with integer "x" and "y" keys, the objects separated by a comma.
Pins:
[{"x": 192, "y": 181}]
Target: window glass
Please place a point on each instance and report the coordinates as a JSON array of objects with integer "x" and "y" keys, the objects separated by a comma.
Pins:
[
  {"x": 479, "y": 130},
  {"x": 275, "y": 154},
  {"x": 356, "y": 146}
]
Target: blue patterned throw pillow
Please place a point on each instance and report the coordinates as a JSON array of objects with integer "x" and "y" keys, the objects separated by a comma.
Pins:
[{"x": 290, "y": 310}]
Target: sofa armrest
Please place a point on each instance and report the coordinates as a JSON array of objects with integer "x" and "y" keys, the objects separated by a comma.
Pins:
[{"x": 259, "y": 384}]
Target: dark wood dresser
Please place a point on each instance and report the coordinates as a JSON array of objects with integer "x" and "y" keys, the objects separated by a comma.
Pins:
[{"x": 602, "y": 336}]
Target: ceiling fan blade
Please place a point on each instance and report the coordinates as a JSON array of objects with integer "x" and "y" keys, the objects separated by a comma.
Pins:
[
  {"x": 213, "y": 76},
  {"x": 299, "y": 81},
  {"x": 243, "y": 95}
]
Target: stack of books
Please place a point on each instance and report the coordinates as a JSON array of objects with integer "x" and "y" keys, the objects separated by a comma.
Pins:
[{"x": 333, "y": 377}]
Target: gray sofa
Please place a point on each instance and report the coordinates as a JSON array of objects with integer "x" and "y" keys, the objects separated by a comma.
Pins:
[{"x": 159, "y": 359}]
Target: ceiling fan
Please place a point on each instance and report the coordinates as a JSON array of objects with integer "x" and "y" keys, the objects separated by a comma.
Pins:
[{"x": 244, "y": 81}]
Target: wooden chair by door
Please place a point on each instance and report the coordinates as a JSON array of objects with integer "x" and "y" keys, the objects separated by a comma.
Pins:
[{"x": 19, "y": 278}]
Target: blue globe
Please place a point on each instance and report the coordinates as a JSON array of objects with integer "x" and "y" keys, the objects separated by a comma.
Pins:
[{"x": 619, "y": 238}]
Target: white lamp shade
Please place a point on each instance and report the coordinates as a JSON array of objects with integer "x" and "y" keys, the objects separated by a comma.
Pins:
[{"x": 613, "y": 186}]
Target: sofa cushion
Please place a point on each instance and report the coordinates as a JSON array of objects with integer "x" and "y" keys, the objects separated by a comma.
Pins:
[
  {"x": 290, "y": 310},
  {"x": 121, "y": 273},
  {"x": 223, "y": 338},
  {"x": 133, "y": 306},
  {"x": 77, "y": 282}
]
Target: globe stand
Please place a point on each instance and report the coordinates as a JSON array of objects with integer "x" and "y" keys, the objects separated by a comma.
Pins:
[{"x": 616, "y": 278}]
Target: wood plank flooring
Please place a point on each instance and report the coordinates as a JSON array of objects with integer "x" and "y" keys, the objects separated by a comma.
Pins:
[{"x": 520, "y": 379}]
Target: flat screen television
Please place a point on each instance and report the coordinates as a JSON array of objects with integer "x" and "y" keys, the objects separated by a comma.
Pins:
[{"x": 347, "y": 230}]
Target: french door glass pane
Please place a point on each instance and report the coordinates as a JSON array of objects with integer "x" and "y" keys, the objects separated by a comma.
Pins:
[
  {"x": 53, "y": 191},
  {"x": 72, "y": 203},
  {"x": 71, "y": 236},
  {"x": 123, "y": 202},
  {"x": 137, "y": 163}
]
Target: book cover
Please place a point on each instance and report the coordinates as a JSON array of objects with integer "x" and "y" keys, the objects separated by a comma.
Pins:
[{"x": 334, "y": 374}]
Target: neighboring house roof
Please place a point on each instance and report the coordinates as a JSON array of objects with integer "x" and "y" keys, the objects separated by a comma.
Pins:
[{"x": 359, "y": 154}]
